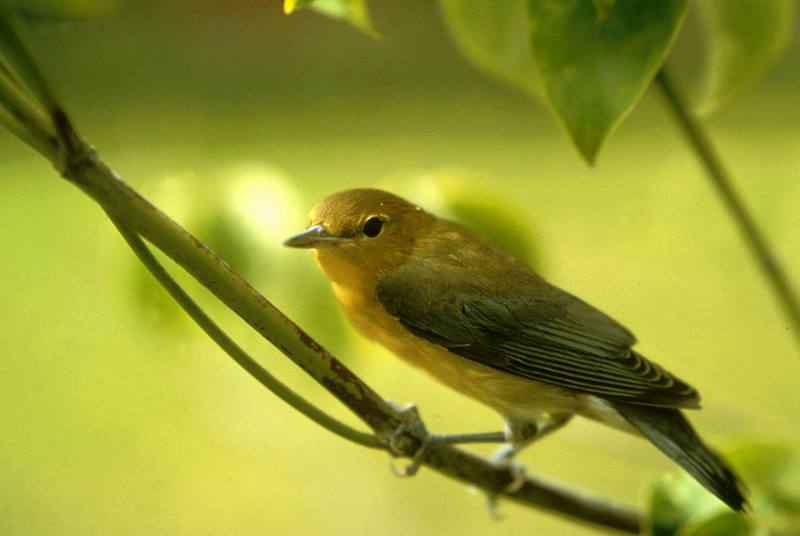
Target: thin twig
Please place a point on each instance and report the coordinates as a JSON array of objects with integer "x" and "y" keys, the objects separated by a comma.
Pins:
[
  {"x": 720, "y": 178},
  {"x": 242, "y": 358},
  {"x": 10, "y": 121},
  {"x": 20, "y": 59},
  {"x": 20, "y": 113}
]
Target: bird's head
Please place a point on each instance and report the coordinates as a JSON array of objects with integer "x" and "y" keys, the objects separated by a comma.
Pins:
[{"x": 362, "y": 233}]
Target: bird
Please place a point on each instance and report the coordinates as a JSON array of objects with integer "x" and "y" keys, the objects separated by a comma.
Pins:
[{"x": 479, "y": 320}]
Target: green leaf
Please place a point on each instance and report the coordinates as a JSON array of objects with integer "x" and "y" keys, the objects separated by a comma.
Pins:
[
  {"x": 722, "y": 524},
  {"x": 354, "y": 12},
  {"x": 744, "y": 37},
  {"x": 595, "y": 69},
  {"x": 678, "y": 505},
  {"x": 495, "y": 36},
  {"x": 676, "y": 499}
]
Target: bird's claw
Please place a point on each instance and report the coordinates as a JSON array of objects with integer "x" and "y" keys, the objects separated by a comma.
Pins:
[
  {"x": 518, "y": 477},
  {"x": 416, "y": 462},
  {"x": 503, "y": 459},
  {"x": 492, "y": 500},
  {"x": 411, "y": 423}
]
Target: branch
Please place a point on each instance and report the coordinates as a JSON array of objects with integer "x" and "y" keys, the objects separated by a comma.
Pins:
[
  {"x": 720, "y": 178},
  {"x": 134, "y": 216}
]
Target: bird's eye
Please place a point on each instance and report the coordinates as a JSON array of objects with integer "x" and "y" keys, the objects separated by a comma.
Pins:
[{"x": 372, "y": 227}]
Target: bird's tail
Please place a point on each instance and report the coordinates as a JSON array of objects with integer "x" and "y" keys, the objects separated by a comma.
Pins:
[{"x": 669, "y": 430}]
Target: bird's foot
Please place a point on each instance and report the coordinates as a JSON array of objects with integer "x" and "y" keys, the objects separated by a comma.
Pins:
[
  {"x": 411, "y": 423},
  {"x": 412, "y": 429}
]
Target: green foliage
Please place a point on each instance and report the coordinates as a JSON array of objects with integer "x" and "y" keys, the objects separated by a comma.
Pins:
[
  {"x": 680, "y": 506},
  {"x": 724, "y": 524},
  {"x": 591, "y": 60},
  {"x": 354, "y": 12},
  {"x": 243, "y": 222},
  {"x": 744, "y": 37},
  {"x": 595, "y": 70},
  {"x": 494, "y": 36}
]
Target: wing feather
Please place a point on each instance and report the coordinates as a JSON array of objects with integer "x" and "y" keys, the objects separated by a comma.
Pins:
[{"x": 534, "y": 331}]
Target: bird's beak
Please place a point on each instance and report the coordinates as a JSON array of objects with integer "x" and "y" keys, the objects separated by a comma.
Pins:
[{"x": 313, "y": 237}]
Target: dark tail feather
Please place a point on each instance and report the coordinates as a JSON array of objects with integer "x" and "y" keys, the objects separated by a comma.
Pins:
[{"x": 669, "y": 430}]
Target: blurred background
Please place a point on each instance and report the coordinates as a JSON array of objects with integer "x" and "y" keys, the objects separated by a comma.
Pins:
[{"x": 118, "y": 416}]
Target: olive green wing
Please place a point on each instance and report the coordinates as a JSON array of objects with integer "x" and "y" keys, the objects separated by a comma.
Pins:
[{"x": 541, "y": 333}]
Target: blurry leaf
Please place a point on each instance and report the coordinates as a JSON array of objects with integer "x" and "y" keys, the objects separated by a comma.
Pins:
[
  {"x": 248, "y": 224},
  {"x": 744, "y": 38},
  {"x": 680, "y": 506},
  {"x": 47, "y": 10},
  {"x": 475, "y": 203},
  {"x": 353, "y": 12},
  {"x": 602, "y": 7},
  {"x": 664, "y": 515},
  {"x": 723, "y": 524},
  {"x": 594, "y": 71},
  {"x": 675, "y": 499},
  {"x": 152, "y": 302},
  {"x": 262, "y": 208},
  {"x": 773, "y": 471},
  {"x": 495, "y": 36},
  {"x": 173, "y": 194},
  {"x": 265, "y": 200},
  {"x": 242, "y": 216},
  {"x": 499, "y": 223},
  {"x": 226, "y": 236}
]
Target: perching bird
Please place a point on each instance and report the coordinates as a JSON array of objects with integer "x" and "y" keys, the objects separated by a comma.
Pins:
[{"x": 482, "y": 322}]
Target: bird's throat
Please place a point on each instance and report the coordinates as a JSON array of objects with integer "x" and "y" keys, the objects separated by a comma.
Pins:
[{"x": 350, "y": 284}]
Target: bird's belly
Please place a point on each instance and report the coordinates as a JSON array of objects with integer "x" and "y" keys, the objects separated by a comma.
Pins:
[{"x": 516, "y": 398}]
